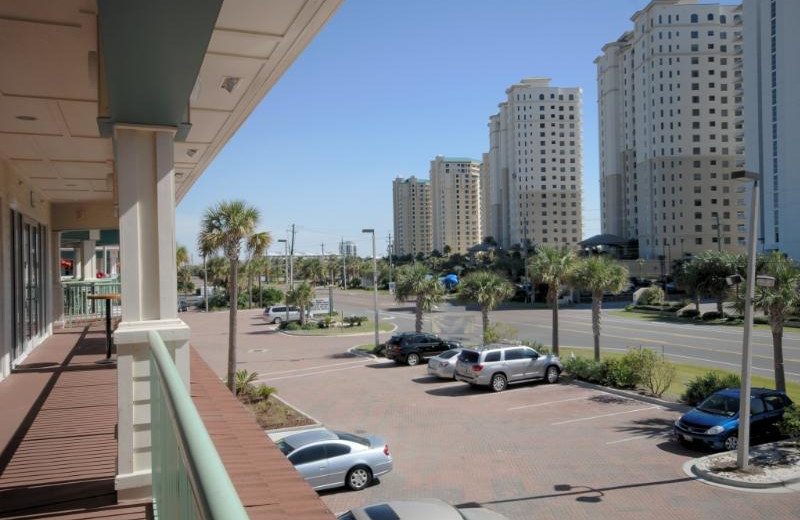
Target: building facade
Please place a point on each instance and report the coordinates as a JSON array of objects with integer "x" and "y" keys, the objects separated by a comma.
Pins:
[
  {"x": 772, "y": 116},
  {"x": 347, "y": 248},
  {"x": 486, "y": 203},
  {"x": 456, "y": 203},
  {"x": 412, "y": 216},
  {"x": 536, "y": 165},
  {"x": 671, "y": 130}
]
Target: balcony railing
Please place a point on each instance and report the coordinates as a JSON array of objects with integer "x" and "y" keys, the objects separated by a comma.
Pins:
[
  {"x": 189, "y": 479},
  {"x": 77, "y": 305}
]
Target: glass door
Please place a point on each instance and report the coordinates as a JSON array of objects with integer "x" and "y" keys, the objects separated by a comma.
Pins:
[{"x": 28, "y": 276}]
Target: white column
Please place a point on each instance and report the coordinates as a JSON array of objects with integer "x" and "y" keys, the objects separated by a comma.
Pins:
[
  {"x": 146, "y": 180},
  {"x": 88, "y": 271},
  {"x": 57, "y": 299}
]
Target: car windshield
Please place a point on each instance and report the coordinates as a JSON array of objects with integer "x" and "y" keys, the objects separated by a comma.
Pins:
[
  {"x": 284, "y": 447},
  {"x": 449, "y": 354},
  {"x": 720, "y": 405},
  {"x": 352, "y": 438}
]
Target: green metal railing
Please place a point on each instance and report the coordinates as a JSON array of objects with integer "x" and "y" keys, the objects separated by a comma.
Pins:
[
  {"x": 189, "y": 479},
  {"x": 77, "y": 305}
]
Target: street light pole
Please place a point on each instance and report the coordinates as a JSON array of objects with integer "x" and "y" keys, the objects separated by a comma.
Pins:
[
  {"x": 743, "y": 446},
  {"x": 374, "y": 283},
  {"x": 286, "y": 270}
]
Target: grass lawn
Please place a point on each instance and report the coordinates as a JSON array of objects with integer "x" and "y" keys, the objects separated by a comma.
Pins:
[
  {"x": 686, "y": 373},
  {"x": 367, "y": 326},
  {"x": 671, "y": 318}
]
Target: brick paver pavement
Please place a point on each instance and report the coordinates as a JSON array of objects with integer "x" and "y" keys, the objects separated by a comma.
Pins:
[{"x": 534, "y": 451}]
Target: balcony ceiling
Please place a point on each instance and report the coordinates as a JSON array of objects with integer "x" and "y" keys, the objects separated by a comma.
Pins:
[{"x": 49, "y": 88}]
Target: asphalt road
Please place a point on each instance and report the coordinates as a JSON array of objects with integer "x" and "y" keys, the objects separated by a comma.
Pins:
[{"x": 699, "y": 344}]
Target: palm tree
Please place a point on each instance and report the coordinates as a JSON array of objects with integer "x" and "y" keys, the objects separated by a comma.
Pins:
[
  {"x": 181, "y": 256},
  {"x": 300, "y": 296},
  {"x": 552, "y": 266},
  {"x": 218, "y": 271},
  {"x": 777, "y": 302},
  {"x": 415, "y": 280},
  {"x": 487, "y": 289},
  {"x": 225, "y": 226},
  {"x": 598, "y": 274},
  {"x": 257, "y": 245}
]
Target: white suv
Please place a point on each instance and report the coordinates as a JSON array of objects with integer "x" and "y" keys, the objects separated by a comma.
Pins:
[
  {"x": 277, "y": 314},
  {"x": 499, "y": 365}
]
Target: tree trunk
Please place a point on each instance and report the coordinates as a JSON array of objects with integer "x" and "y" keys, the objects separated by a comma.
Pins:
[
  {"x": 485, "y": 321},
  {"x": 597, "y": 303},
  {"x": 233, "y": 303},
  {"x": 302, "y": 314},
  {"x": 697, "y": 303},
  {"x": 260, "y": 293},
  {"x": 719, "y": 306},
  {"x": 554, "y": 300},
  {"x": 776, "y": 324},
  {"x": 418, "y": 315},
  {"x": 249, "y": 287}
]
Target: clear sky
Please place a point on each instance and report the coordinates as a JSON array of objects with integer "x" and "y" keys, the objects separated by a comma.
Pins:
[{"x": 385, "y": 87}]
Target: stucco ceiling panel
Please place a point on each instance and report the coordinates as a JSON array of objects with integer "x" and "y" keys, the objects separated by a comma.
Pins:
[
  {"x": 76, "y": 148},
  {"x": 12, "y": 107},
  {"x": 243, "y": 43},
  {"x": 15, "y": 146},
  {"x": 206, "y": 125},
  {"x": 34, "y": 169},
  {"x": 214, "y": 70},
  {"x": 83, "y": 170},
  {"x": 273, "y": 17},
  {"x": 80, "y": 117}
]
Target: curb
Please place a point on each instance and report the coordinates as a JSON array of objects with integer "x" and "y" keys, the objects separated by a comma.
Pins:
[
  {"x": 291, "y": 333},
  {"x": 298, "y": 410},
  {"x": 676, "y": 407},
  {"x": 711, "y": 477},
  {"x": 360, "y": 353}
]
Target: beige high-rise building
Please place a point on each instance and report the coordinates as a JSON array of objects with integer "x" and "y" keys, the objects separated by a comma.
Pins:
[
  {"x": 412, "y": 216},
  {"x": 456, "y": 201},
  {"x": 486, "y": 223},
  {"x": 669, "y": 100},
  {"x": 536, "y": 165}
]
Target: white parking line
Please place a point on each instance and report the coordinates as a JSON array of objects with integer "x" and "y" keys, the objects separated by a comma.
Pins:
[
  {"x": 659, "y": 436},
  {"x": 307, "y": 374},
  {"x": 362, "y": 360},
  {"x": 549, "y": 402},
  {"x": 604, "y": 415},
  {"x": 538, "y": 388}
]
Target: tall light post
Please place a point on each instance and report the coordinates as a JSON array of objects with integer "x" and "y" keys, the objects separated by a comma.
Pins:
[
  {"x": 205, "y": 282},
  {"x": 374, "y": 282},
  {"x": 743, "y": 446},
  {"x": 286, "y": 270}
]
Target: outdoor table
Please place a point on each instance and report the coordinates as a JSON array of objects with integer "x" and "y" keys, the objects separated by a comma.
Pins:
[{"x": 107, "y": 297}]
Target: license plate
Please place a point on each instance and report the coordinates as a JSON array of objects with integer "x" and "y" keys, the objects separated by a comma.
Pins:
[{"x": 686, "y": 438}]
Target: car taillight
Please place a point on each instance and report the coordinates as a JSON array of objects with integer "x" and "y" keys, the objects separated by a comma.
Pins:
[
  {"x": 477, "y": 368},
  {"x": 386, "y": 449}
]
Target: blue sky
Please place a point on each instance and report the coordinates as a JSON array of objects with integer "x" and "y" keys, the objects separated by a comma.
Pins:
[{"x": 385, "y": 87}]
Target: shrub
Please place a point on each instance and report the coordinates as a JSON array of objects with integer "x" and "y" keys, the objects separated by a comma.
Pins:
[
  {"x": 218, "y": 299},
  {"x": 244, "y": 382},
  {"x": 292, "y": 325},
  {"x": 587, "y": 369},
  {"x": 761, "y": 320},
  {"x": 309, "y": 326},
  {"x": 690, "y": 313},
  {"x": 380, "y": 350},
  {"x": 651, "y": 296},
  {"x": 624, "y": 372},
  {"x": 325, "y": 322},
  {"x": 702, "y": 386},
  {"x": 535, "y": 345},
  {"x": 500, "y": 332},
  {"x": 356, "y": 321},
  {"x": 790, "y": 425},
  {"x": 629, "y": 307},
  {"x": 711, "y": 315},
  {"x": 660, "y": 375},
  {"x": 264, "y": 391},
  {"x": 354, "y": 283}
]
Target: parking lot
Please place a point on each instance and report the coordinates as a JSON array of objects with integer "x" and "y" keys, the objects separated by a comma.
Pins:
[{"x": 533, "y": 451}]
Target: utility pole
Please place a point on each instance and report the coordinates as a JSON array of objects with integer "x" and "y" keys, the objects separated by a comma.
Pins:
[
  {"x": 390, "y": 251},
  {"x": 205, "y": 282},
  {"x": 525, "y": 259},
  {"x": 374, "y": 285},
  {"x": 291, "y": 262},
  {"x": 286, "y": 270},
  {"x": 719, "y": 235},
  {"x": 343, "y": 251}
]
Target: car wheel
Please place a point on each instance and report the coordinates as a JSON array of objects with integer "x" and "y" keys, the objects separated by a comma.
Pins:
[
  {"x": 358, "y": 478},
  {"x": 731, "y": 442},
  {"x": 499, "y": 382},
  {"x": 551, "y": 374},
  {"x": 412, "y": 359},
  {"x": 277, "y": 321}
]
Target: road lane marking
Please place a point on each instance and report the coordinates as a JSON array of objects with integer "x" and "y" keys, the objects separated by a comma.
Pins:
[
  {"x": 514, "y": 391},
  {"x": 362, "y": 360},
  {"x": 308, "y": 374},
  {"x": 549, "y": 403},
  {"x": 604, "y": 415}
]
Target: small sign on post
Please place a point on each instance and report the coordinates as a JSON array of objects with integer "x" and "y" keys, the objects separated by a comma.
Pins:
[{"x": 320, "y": 306}]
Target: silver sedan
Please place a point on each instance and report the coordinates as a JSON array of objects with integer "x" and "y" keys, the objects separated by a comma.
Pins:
[
  {"x": 444, "y": 365},
  {"x": 421, "y": 509},
  {"x": 329, "y": 459}
]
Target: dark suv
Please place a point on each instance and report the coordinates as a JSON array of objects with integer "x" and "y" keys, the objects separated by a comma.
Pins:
[{"x": 411, "y": 348}]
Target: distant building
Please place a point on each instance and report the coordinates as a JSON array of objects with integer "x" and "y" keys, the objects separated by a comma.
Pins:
[
  {"x": 671, "y": 130},
  {"x": 486, "y": 224},
  {"x": 347, "y": 248},
  {"x": 455, "y": 197},
  {"x": 412, "y": 216},
  {"x": 772, "y": 116},
  {"x": 536, "y": 165}
]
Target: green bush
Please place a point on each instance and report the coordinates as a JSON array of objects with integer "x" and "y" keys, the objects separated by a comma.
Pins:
[
  {"x": 761, "y": 320},
  {"x": 354, "y": 321},
  {"x": 651, "y": 296},
  {"x": 535, "y": 345},
  {"x": 587, "y": 369},
  {"x": 624, "y": 372},
  {"x": 244, "y": 382},
  {"x": 500, "y": 332},
  {"x": 263, "y": 391},
  {"x": 702, "y": 386},
  {"x": 629, "y": 307},
  {"x": 308, "y": 326},
  {"x": 218, "y": 299},
  {"x": 690, "y": 313},
  {"x": 325, "y": 322},
  {"x": 292, "y": 325},
  {"x": 711, "y": 315},
  {"x": 790, "y": 425}
]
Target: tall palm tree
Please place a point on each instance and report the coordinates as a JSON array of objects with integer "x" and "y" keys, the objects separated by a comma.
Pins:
[
  {"x": 257, "y": 245},
  {"x": 218, "y": 271},
  {"x": 181, "y": 256},
  {"x": 552, "y": 266},
  {"x": 225, "y": 226},
  {"x": 598, "y": 274},
  {"x": 300, "y": 296},
  {"x": 414, "y": 280},
  {"x": 487, "y": 289},
  {"x": 777, "y": 302}
]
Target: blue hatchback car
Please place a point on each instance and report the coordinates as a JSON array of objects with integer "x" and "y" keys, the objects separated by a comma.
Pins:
[{"x": 715, "y": 421}]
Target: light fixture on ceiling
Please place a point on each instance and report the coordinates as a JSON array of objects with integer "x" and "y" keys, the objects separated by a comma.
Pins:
[
  {"x": 191, "y": 152},
  {"x": 229, "y": 83},
  {"x": 27, "y": 118}
]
